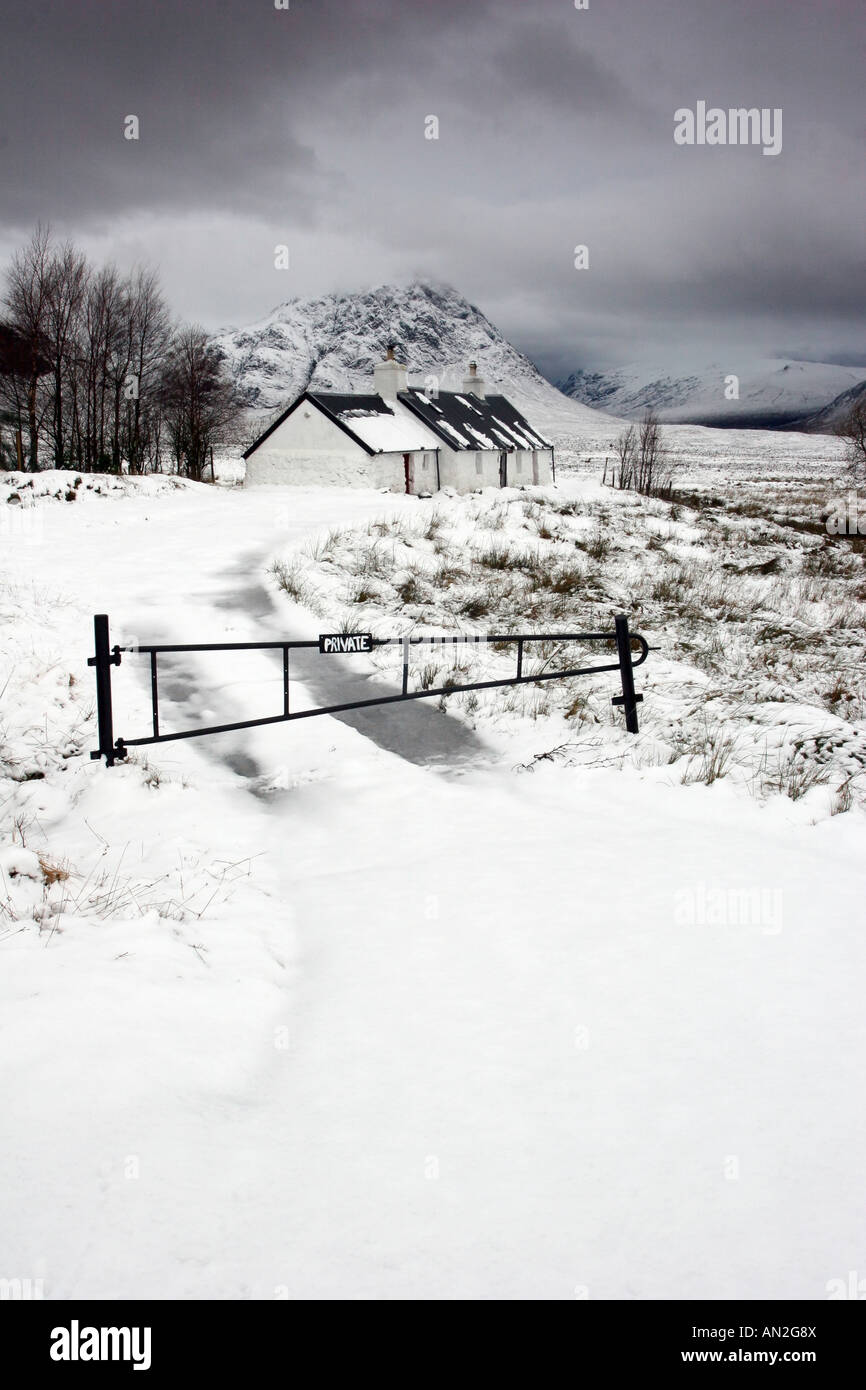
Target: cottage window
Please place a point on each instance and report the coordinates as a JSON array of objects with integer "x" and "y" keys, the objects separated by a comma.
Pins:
[{"x": 479, "y": 466}]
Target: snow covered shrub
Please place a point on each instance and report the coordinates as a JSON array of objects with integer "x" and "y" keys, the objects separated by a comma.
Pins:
[
  {"x": 412, "y": 587},
  {"x": 494, "y": 557},
  {"x": 292, "y": 580},
  {"x": 598, "y": 546},
  {"x": 428, "y": 676},
  {"x": 475, "y": 605},
  {"x": 712, "y": 752},
  {"x": 843, "y": 799},
  {"x": 791, "y": 774}
]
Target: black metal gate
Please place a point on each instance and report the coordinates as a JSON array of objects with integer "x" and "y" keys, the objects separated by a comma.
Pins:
[{"x": 105, "y": 656}]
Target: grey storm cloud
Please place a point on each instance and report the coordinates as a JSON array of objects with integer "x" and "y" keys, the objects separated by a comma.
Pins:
[
  {"x": 552, "y": 69},
  {"x": 306, "y": 126}
]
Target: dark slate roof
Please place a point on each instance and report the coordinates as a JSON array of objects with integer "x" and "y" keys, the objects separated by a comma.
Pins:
[
  {"x": 336, "y": 402},
  {"x": 465, "y": 421},
  {"x": 504, "y": 411},
  {"x": 377, "y": 424}
]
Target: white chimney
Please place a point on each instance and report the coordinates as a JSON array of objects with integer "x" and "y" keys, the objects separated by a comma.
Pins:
[
  {"x": 390, "y": 376},
  {"x": 473, "y": 384}
]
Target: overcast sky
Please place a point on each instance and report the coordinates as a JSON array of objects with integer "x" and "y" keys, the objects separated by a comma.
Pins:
[{"x": 306, "y": 127}]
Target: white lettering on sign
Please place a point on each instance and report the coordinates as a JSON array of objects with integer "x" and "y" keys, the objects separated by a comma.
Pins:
[{"x": 344, "y": 643}]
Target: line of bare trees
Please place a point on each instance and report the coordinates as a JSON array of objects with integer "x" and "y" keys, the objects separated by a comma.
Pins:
[{"x": 94, "y": 376}]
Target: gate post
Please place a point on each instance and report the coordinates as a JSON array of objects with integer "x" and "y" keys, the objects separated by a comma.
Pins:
[
  {"x": 103, "y": 659},
  {"x": 405, "y": 645},
  {"x": 627, "y": 699}
]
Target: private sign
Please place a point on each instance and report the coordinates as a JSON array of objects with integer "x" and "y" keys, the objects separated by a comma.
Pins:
[{"x": 344, "y": 643}]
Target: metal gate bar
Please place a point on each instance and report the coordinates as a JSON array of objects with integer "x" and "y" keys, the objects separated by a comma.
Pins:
[{"x": 105, "y": 657}]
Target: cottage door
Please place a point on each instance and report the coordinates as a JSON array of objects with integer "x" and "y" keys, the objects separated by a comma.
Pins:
[
  {"x": 407, "y": 471},
  {"x": 503, "y": 469},
  {"x": 535, "y": 465}
]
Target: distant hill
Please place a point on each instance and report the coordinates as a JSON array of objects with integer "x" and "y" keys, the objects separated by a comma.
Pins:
[
  {"x": 773, "y": 392},
  {"x": 824, "y": 421}
]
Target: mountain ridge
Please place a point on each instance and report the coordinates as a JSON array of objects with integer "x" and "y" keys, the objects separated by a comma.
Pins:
[
  {"x": 824, "y": 421},
  {"x": 773, "y": 392},
  {"x": 333, "y": 341}
]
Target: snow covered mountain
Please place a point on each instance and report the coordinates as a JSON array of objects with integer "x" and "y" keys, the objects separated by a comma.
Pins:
[
  {"x": 773, "y": 392},
  {"x": 333, "y": 343},
  {"x": 825, "y": 421}
]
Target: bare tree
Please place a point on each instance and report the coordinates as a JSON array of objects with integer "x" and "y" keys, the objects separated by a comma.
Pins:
[
  {"x": 625, "y": 449},
  {"x": 853, "y": 430},
  {"x": 102, "y": 359},
  {"x": 26, "y": 304},
  {"x": 642, "y": 462},
  {"x": 651, "y": 455},
  {"x": 68, "y": 280},
  {"x": 201, "y": 403},
  {"x": 17, "y": 365},
  {"x": 66, "y": 286},
  {"x": 150, "y": 337},
  {"x": 120, "y": 378}
]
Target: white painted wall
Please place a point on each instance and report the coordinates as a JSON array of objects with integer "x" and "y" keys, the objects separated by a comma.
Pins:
[
  {"x": 331, "y": 470},
  {"x": 422, "y": 471},
  {"x": 523, "y": 472},
  {"x": 309, "y": 450},
  {"x": 309, "y": 430},
  {"x": 467, "y": 471},
  {"x": 542, "y": 470}
]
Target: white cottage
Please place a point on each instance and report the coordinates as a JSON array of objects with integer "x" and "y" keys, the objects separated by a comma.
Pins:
[{"x": 400, "y": 438}]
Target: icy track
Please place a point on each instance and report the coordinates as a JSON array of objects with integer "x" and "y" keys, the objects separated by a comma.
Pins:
[{"x": 427, "y": 1028}]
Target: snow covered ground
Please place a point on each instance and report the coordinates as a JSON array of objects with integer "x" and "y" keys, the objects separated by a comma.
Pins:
[
  {"x": 713, "y": 456},
  {"x": 395, "y": 1005}
]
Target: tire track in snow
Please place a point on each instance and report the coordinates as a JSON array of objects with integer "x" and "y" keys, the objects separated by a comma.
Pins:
[{"x": 417, "y": 732}]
